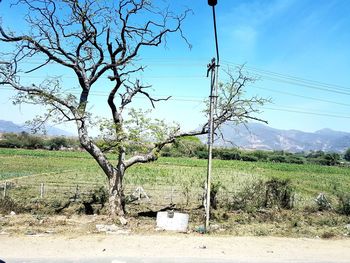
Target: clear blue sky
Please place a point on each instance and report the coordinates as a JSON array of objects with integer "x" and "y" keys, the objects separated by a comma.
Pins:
[{"x": 299, "y": 50}]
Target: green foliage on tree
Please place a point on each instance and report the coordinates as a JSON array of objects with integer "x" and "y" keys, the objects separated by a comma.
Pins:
[
  {"x": 22, "y": 140},
  {"x": 184, "y": 147},
  {"x": 31, "y": 141},
  {"x": 347, "y": 155},
  {"x": 57, "y": 143}
]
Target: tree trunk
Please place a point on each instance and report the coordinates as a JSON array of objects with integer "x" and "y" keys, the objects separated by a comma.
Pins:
[
  {"x": 116, "y": 198},
  {"x": 115, "y": 176}
]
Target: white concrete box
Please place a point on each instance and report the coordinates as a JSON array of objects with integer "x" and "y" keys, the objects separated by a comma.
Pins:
[{"x": 172, "y": 221}]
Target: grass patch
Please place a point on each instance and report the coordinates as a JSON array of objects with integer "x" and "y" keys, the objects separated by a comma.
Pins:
[{"x": 180, "y": 181}]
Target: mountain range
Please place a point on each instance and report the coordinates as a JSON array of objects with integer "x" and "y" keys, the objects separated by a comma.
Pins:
[
  {"x": 262, "y": 137},
  {"x": 9, "y": 126},
  {"x": 251, "y": 136}
]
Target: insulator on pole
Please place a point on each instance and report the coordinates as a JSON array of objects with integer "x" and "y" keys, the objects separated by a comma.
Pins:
[{"x": 212, "y": 2}]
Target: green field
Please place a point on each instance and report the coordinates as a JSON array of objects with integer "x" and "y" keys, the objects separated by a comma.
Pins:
[
  {"x": 77, "y": 168},
  {"x": 178, "y": 181}
]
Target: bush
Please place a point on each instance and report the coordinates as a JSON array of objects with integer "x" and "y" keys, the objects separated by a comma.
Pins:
[
  {"x": 278, "y": 159},
  {"x": 261, "y": 155},
  {"x": 344, "y": 204},
  {"x": 202, "y": 154},
  {"x": 258, "y": 194},
  {"x": 322, "y": 202},
  {"x": 329, "y": 159},
  {"x": 229, "y": 155},
  {"x": 322, "y": 158},
  {"x": 214, "y": 190},
  {"x": 249, "y": 198},
  {"x": 318, "y": 161},
  {"x": 7, "y": 205},
  {"x": 249, "y": 158},
  {"x": 29, "y": 141},
  {"x": 215, "y": 187},
  {"x": 56, "y": 143},
  {"x": 183, "y": 147},
  {"x": 332, "y": 159},
  {"x": 279, "y": 193},
  {"x": 170, "y": 151},
  {"x": 166, "y": 152},
  {"x": 315, "y": 154},
  {"x": 347, "y": 155},
  {"x": 295, "y": 159}
]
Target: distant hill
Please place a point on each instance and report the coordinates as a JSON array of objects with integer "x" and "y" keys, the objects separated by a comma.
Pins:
[
  {"x": 253, "y": 136},
  {"x": 9, "y": 126},
  {"x": 262, "y": 137}
]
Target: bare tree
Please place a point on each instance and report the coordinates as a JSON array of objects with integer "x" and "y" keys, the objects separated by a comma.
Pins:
[{"x": 92, "y": 40}]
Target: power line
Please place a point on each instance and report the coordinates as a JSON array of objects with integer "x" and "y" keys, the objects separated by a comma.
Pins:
[
  {"x": 302, "y": 96},
  {"x": 192, "y": 62},
  {"x": 308, "y": 113},
  {"x": 196, "y": 98},
  {"x": 202, "y": 77},
  {"x": 102, "y": 94},
  {"x": 304, "y": 109},
  {"x": 291, "y": 77},
  {"x": 264, "y": 74},
  {"x": 279, "y": 109},
  {"x": 195, "y": 62},
  {"x": 308, "y": 86},
  {"x": 173, "y": 98}
]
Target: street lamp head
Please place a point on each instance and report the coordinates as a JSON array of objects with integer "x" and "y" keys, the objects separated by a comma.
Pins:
[{"x": 212, "y": 2}]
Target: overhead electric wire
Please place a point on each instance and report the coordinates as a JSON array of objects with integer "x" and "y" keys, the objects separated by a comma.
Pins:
[
  {"x": 301, "y": 96},
  {"x": 278, "y": 108},
  {"x": 291, "y": 77},
  {"x": 309, "y": 86},
  {"x": 308, "y": 112},
  {"x": 202, "y": 76},
  {"x": 202, "y": 99},
  {"x": 292, "y": 107},
  {"x": 182, "y": 98},
  {"x": 265, "y": 74},
  {"x": 169, "y": 61}
]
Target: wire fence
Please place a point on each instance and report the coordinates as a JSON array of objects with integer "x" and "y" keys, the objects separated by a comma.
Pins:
[{"x": 160, "y": 195}]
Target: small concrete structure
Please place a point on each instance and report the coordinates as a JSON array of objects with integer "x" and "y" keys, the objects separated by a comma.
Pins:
[{"x": 172, "y": 221}]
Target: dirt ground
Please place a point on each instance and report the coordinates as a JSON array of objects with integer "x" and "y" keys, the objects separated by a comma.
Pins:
[
  {"x": 240, "y": 249},
  {"x": 77, "y": 238}
]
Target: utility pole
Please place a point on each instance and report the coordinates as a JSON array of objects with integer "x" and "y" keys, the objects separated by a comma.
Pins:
[
  {"x": 213, "y": 68},
  {"x": 212, "y": 98}
]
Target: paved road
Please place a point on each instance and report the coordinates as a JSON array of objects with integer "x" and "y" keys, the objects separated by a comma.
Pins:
[
  {"x": 124, "y": 260},
  {"x": 149, "y": 260},
  {"x": 171, "y": 248}
]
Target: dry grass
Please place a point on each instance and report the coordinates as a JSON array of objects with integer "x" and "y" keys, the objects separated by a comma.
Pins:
[
  {"x": 62, "y": 172},
  {"x": 278, "y": 224}
]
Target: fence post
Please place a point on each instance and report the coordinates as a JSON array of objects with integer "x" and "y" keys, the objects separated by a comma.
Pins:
[
  {"x": 42, "y": 190},
  {"x": 5, "y": 189},
  {"x": 76, "y": 196},
  {"x": 171, "y": 196}
]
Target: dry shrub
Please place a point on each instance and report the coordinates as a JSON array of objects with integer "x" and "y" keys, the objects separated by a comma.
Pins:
[
  {"x": 279, "y": 193},
  {"x": 249, "y": 198},
  {"x": 344, "y": 204},
  {"x": 275, "y": 193},
  {"x": 7, "y": 205}
]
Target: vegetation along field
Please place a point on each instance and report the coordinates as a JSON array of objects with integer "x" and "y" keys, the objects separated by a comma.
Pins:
[{"x": 258, "y": 198}]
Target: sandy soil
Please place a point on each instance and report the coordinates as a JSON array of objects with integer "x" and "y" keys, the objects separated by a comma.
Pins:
[
  {"x": 76, "y": 237},
  {"x": 264, "y": 249}
]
